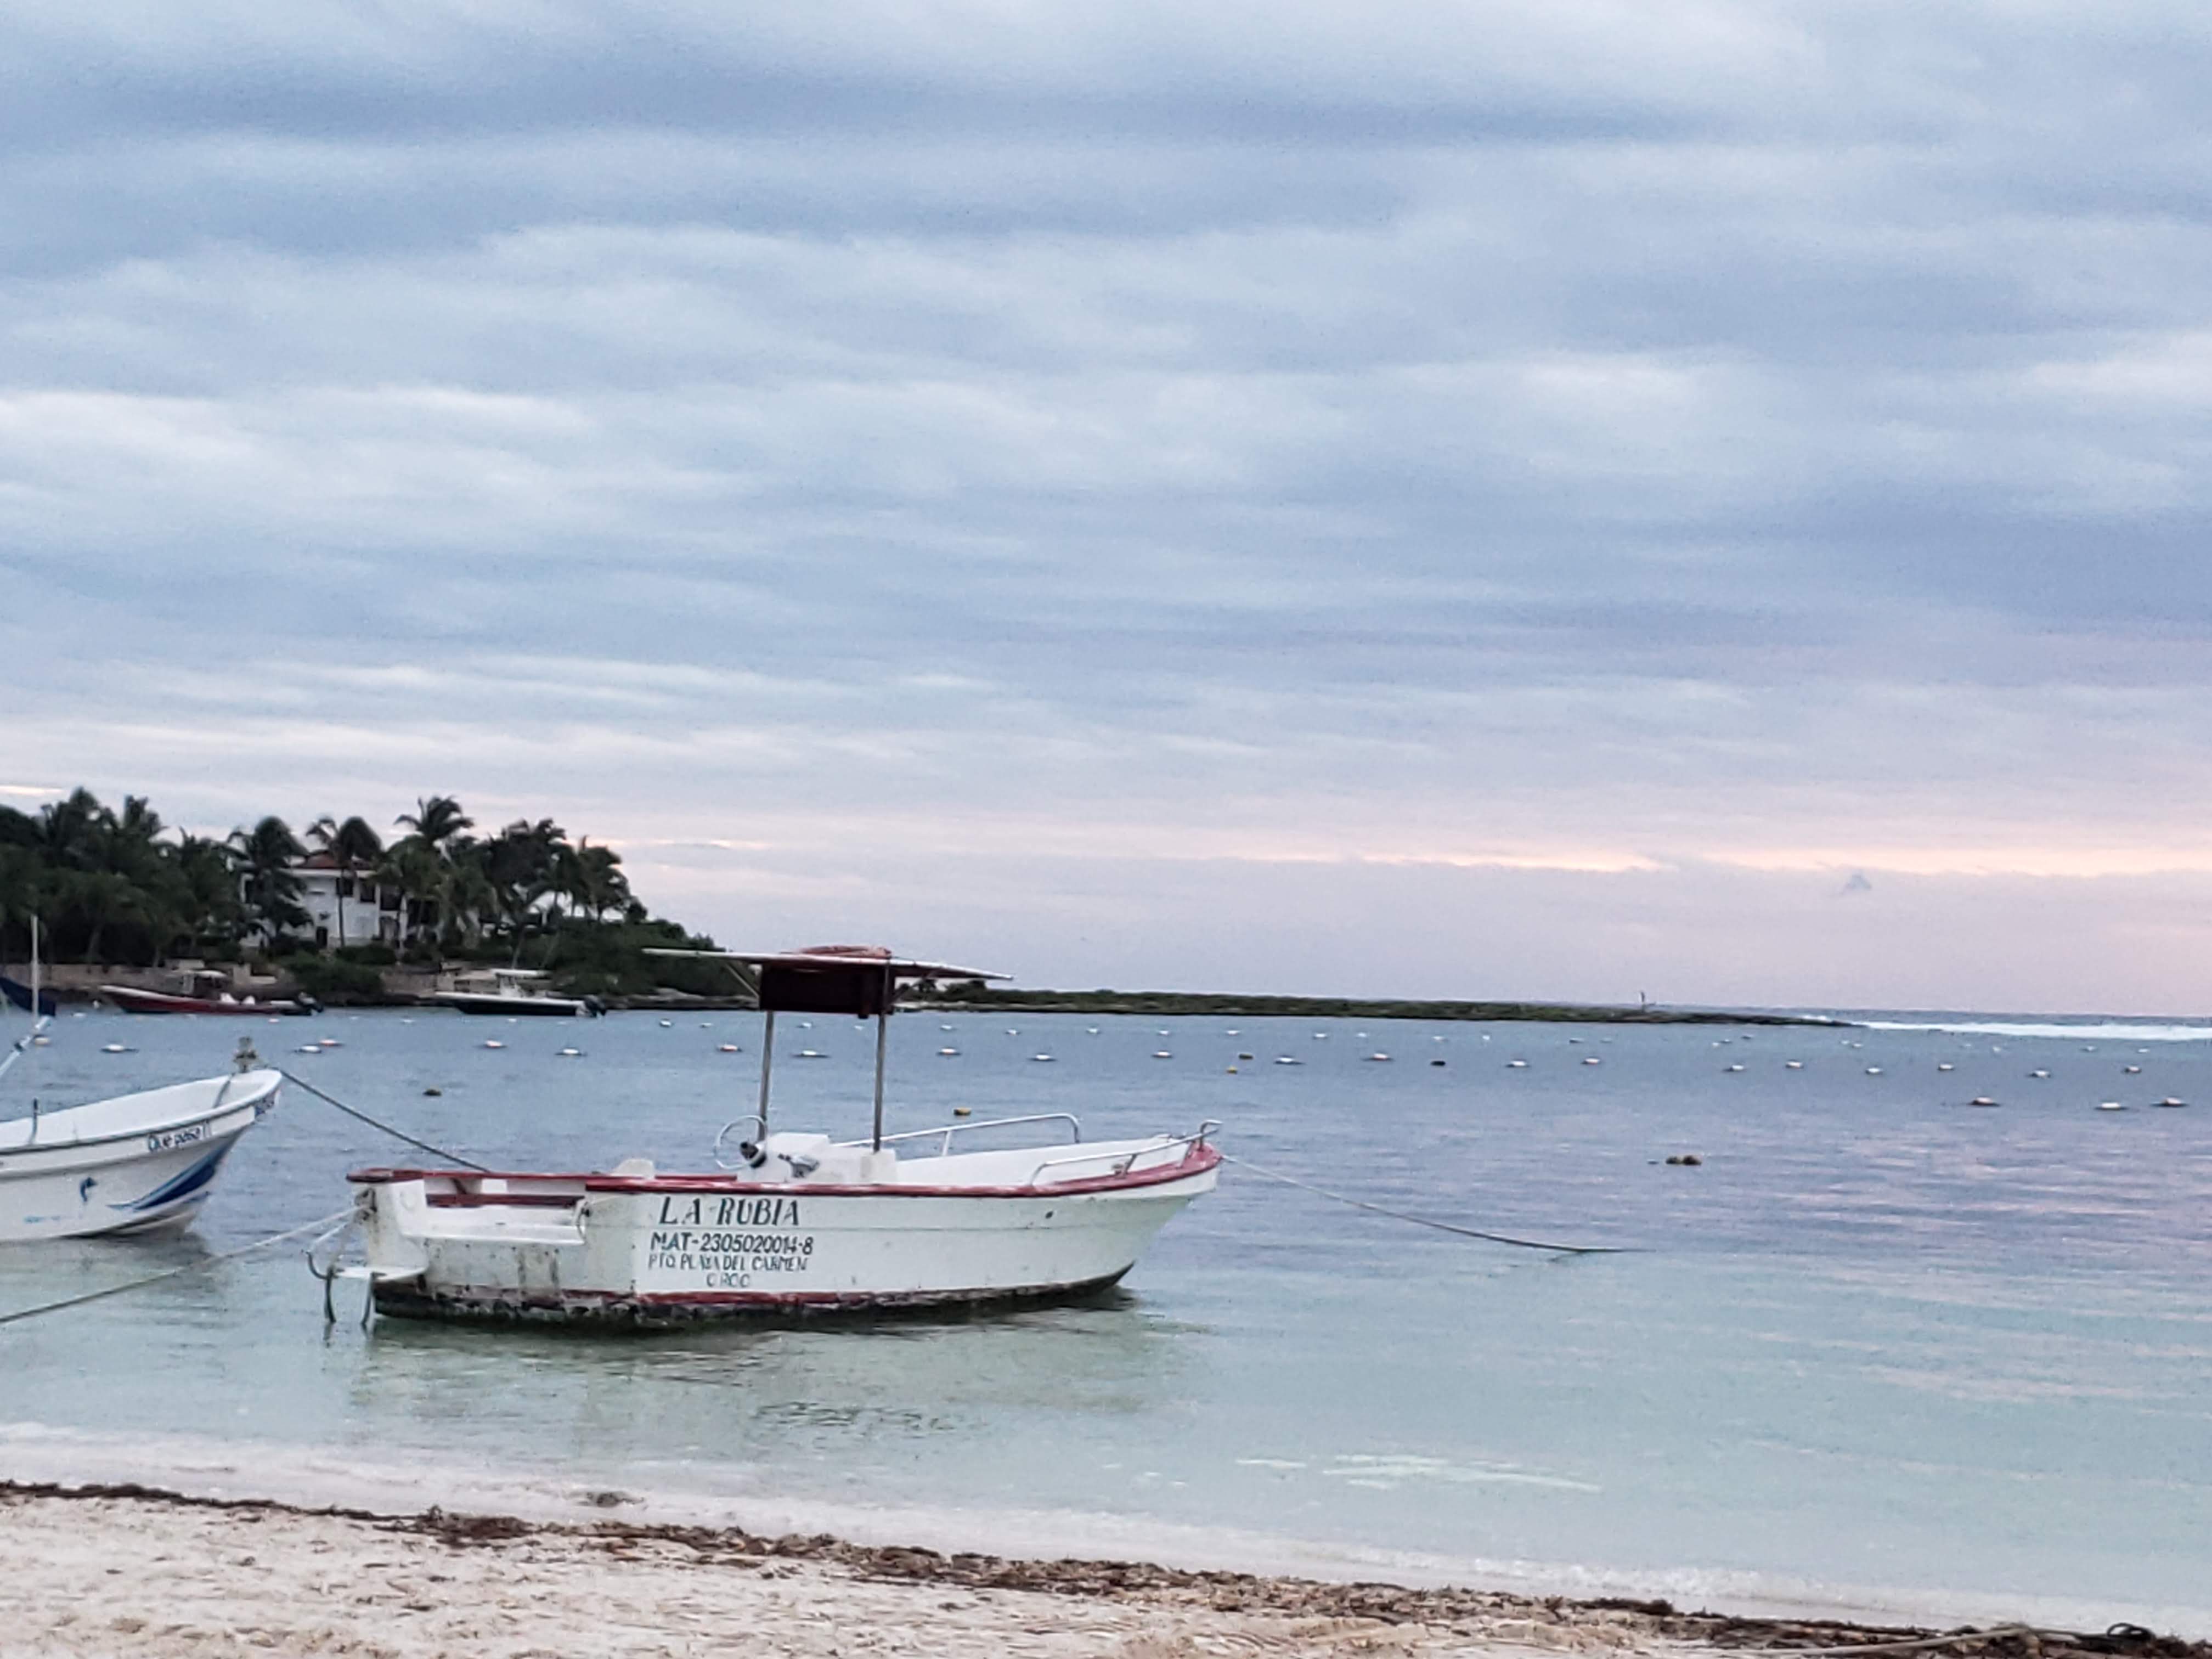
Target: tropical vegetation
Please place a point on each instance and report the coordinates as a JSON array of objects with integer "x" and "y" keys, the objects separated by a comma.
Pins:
[{"x": 111, "y": 885}]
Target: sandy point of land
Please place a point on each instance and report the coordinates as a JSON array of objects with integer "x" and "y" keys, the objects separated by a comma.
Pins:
[{"x": 125, "y": 1571}]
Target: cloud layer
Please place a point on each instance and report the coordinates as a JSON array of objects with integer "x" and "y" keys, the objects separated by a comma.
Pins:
[{"x": 1099, "y": 487}]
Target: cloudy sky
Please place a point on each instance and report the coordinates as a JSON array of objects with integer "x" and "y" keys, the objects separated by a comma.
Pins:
[{"x": 1565, "y": 498}]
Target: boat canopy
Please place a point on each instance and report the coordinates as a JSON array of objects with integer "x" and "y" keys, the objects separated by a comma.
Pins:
[{"x": 829, "y": 979}]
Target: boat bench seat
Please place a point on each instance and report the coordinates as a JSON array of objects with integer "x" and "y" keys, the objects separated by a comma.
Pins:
[{"x": 491, "y": 1226}]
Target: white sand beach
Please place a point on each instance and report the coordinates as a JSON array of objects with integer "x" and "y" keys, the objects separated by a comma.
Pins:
[
  {"x": 125, "y": 1571},
  {"x": 182, "y": 1578}
]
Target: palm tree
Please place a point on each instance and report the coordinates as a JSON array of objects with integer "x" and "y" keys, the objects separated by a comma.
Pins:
[
  {"x": 519, "y": 866},
  {"x": 436, "y": 825},
  {"x": 421, "y": 878},
  {"x": 207, "y": 881},
  {"x": 436, "y": 820},
  {"x": 266, "y": 854},
  {"x": 357, "y": 847},
  {"x": 613, "y": 889},
  {"x": 352, "y": 845},
  {"x": 75, "y": 831},
  {"x": 593, "y": 878},
  {"x": 469, "y": 895},
  {"x": 103, "y": 896}
]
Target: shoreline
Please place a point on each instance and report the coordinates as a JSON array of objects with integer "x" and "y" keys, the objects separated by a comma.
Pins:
[
  {"x": 319, "y": 1564},
  {"x": 1060, "y": 1553},
  {"x": 1149, "y": 1004},
  {"x": 1221, "y": 1004}
]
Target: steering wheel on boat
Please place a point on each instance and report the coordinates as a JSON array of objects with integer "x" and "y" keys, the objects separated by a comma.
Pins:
[{"x": 749, "y": 1156}]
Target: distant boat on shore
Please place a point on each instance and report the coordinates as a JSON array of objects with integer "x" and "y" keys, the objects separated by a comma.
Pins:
[
  {"x": 207, "y": 992},
  {"x": 133, "y": 1001},
  {"x": 32, "y": 1002},
  {"x": 513, "y": 992}
]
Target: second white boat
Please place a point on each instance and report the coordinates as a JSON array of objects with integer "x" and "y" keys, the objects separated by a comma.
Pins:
[{"x": 130, "y": 1165}]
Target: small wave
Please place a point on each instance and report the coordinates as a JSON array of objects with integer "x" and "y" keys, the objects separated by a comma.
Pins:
[
  {"x": 1387, "y": 1470},
  {"x": 2109, "y": 1031}
]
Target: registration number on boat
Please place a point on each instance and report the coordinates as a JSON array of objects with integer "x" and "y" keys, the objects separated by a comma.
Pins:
[
  {"x": 729, "y": 1261},
  {"x": 170, "y": 1138}
]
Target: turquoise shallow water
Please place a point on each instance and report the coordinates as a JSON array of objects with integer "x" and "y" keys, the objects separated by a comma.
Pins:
[{"x": 1880, "y": 1340}]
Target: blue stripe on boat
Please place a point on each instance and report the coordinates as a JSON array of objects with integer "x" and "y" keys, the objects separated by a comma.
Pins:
[{"x": 182, "y": 1184}]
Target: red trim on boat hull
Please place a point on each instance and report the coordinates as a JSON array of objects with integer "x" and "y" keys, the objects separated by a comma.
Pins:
[
  {"x": 1200, "y": 1159},
  {"x": 162, "y": 1002}
]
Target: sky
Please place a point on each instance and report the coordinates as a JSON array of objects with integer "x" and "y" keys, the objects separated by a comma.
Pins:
[{"x": 1565, "y": 499}]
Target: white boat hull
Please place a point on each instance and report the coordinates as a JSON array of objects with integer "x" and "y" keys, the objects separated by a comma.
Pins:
[
  {"x": 653, "y": 1250},
  {"x": 515, "y": 1006},
  {"x": 133, "y": 1163}
]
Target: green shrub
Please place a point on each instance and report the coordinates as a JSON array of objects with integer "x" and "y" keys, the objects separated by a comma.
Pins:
[{"x": 328, "y": 979}]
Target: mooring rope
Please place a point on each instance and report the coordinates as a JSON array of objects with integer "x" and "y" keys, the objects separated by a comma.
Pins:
[
  {"x": 1423, "y": 1221},
  {"x": 396, "y": 1134},
  {"x": 332, "y": 1222},
  {"x": 336, "y": 1218}
]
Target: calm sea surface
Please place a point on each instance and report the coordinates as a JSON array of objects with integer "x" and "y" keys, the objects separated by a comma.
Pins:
[{"x": 1879, "y": 1343}]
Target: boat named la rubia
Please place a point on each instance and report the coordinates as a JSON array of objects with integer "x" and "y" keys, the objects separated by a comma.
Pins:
[{"x": 789, "y": 1223}]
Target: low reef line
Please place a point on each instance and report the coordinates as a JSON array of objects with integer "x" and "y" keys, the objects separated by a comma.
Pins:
[{"x": 962, "y": 999}]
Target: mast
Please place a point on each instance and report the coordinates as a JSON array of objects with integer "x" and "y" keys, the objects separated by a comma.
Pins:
[
  {"x": 32, "y": 1041},
  {"x": 883, "y": 1037},
  {"x": 768, "y": 1060}
]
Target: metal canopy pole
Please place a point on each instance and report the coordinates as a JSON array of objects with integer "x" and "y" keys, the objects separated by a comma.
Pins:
[
  {"x": 883, "y": 1035},
  {"x": 768, "y": 1060},
  {"x": 32, "y": 1041}
]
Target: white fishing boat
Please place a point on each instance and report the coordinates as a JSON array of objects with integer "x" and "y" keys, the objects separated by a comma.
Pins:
[
  {"x": 515, "y": 992},
  {"x": 788, "y": 1222},
  {"x": 131, "y": 1163}
]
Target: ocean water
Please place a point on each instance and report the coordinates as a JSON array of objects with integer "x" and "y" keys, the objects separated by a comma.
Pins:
[{"x": 1880, "y": 1349}]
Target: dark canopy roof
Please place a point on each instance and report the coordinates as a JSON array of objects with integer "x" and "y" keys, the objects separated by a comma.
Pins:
[{"x": 831, "y": 979}]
